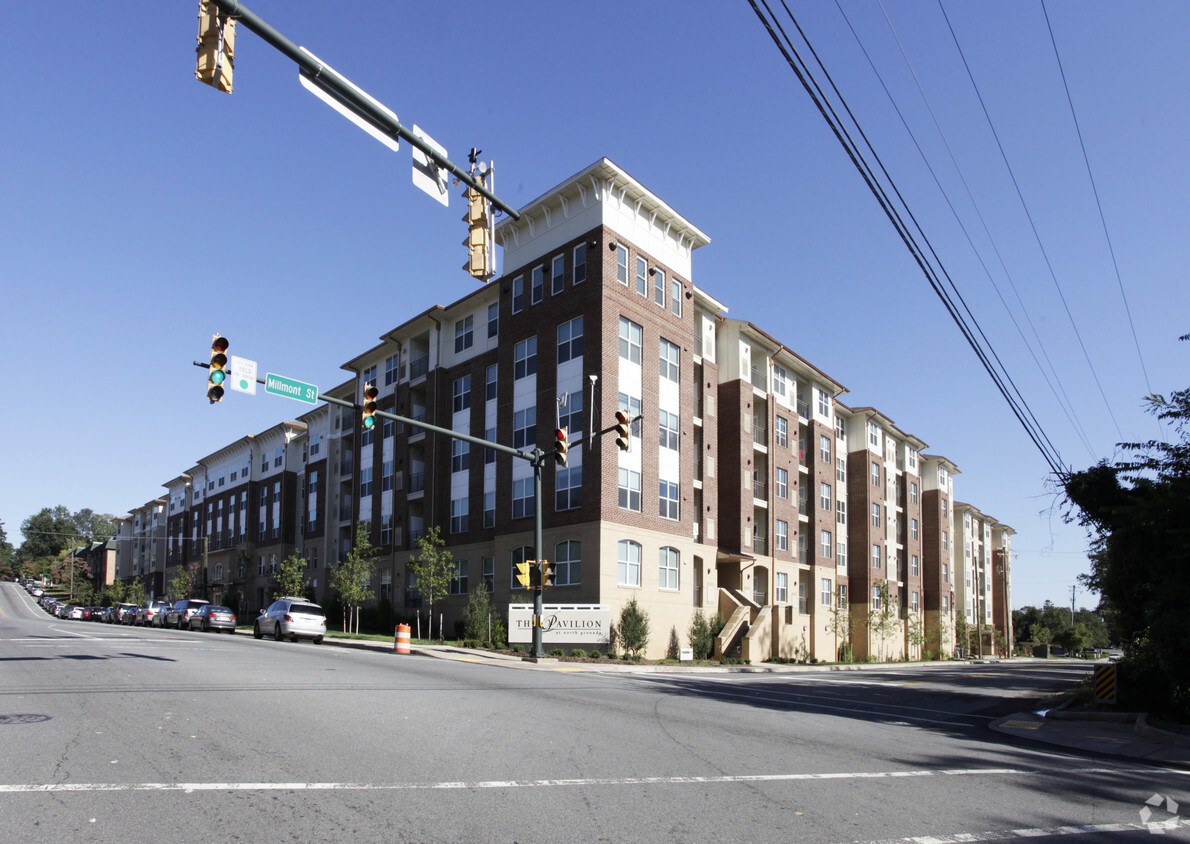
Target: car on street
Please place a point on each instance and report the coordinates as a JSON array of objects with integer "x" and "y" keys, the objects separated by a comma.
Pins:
[
  {"x": 212, "y": 617},
  {"x": 148, "y": 612},
  {"x": 293, "y": 619},
  {"x": 74, "y": 611},
  {"x": 116, "y": 611},
  {"x": 127, "y": 614},
  {"x": 179, "y": 614}
]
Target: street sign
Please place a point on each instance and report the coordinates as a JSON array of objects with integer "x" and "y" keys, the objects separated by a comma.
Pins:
[
  {"x": 427, "y": 175},
  {"x": 243, "y": 375},
  {"x": 331, "y": 96},
  {"x": 291, "y": 388}
]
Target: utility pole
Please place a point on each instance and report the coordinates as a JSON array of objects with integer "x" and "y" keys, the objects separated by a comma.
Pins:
[{"x": 1072, "y": 590}]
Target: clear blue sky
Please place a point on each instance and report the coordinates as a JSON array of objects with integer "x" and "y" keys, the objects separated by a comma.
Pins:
[{"x": 143, "y": 211}]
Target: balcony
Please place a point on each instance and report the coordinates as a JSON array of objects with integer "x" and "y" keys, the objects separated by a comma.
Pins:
[
  {"x": 760, "y": 432},
  {"x": 417, "y": 482},
  {"x": 418, "y": 367}
]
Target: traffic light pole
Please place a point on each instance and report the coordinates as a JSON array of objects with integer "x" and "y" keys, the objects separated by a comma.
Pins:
[{"x": 353, "y": 97}]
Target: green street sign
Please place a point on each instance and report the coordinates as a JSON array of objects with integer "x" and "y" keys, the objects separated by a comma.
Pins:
[{"x": 290, "y": 388}]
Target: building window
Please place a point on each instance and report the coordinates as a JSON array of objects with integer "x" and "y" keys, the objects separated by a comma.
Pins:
[
  {"x": 873, "y": 434},
  {"x": 490, "y": 380},
  {"x": 841, "y": 511},
  {"x": 488, "y": 565},
  {"x": 912, "y": 459},
  {"x": 669, "y": 361},
  {"x": 524, "y": 359},
  {"x": 536, "y": 285},
  {"x": 782, "y": 529},
  {"x": 460, "y": 456},
  {"x": 913, "y": 528},
  {"x": 824, "y": 448},
  {"x": 826, "y": 592},
  {"x": 629, "y": 484},
  {"x": 464, "y": 334},
  {"x": 667, "y": 568},
  {"x": 876, "y": 556},
  {"x": 630, "y": 340},
  {"x": 386, "y": 476},
  {"x": 386, "y": 530},
  {"x": 461, "y": 399},
  {"x": 943, "y": 508},
  {"x": 659, "y": 290},
  {"x": 568, "y": 488},
  {"x": 875, "y": 598},
  {"x": 524, "y": 428},
  {"x": 912, "y": 493},
  {"x": 580, "y": 263},
  {"x": 369, "y": 376},
  {"x": 781, "y": 588},
  {"x": 489, "y": 454},
  {"x": 946, "y": 572},
  {"x": 826, "y": 543},
  {"x": 489, "y": 509},
  {"x": 669, "y": 500},
  {"x": 824, "y": 403},
  {"x": 781, "y": 483},
  {"x": 913, "y": 605},
  {"x": 365, "y": 482},
  {"x": 642, "y": 277},
  {"x": 914, "y": 568},
  {"x": 493, "y": 319},
  {"x": 840, "y": 427},
  {"x": 458, "y": 515},
  {"x": 825, "y": 495},
  {"x": 518, "y": 294},
  {"x": 676, "y": 297},
  {"x": 557, "y": 274},
  {"x": 669, "y": 430},
  {"x": 524, "y": 554},
  {"x": 780, "y": 380},
  {"x": 570, "y": 340},
  {"x": 840, "y": 470},
  {"x": 945, "y": 541},
  {"x": 571, "y": 415},
  {"x": 568, "y": 564},
  {"x": 782, "y": 428},
  {"x": 627, "y": 563},
  {"x": 875, "y": 515},
  {"x": 522, "y": 498},
  {"x": 875, "y": 473},
  {"x": 458, "y": 581},
  {"x": 946, "y": 604},
  {"x": 841, "y": 555}
]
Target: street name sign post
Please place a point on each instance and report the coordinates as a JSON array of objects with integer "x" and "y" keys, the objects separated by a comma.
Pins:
[{"x": 291, "y": 388}]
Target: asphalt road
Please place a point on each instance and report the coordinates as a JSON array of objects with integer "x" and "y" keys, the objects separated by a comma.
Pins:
[{"x": 117, "y": 734}]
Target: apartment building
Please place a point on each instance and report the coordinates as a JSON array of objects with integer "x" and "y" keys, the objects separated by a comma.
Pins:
[{"x": 818, "y": 530}]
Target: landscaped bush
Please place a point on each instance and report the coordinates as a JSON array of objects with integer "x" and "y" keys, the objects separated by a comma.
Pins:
[{"x": 578, "y": 653}]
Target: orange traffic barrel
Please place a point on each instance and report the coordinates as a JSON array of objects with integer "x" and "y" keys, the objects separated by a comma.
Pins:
[{"x": 401, "y": 644}]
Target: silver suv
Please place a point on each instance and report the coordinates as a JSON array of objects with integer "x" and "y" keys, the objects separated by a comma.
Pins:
[
  {"x": 291, "y": 618},
  {"x": 179, "y": 614}
]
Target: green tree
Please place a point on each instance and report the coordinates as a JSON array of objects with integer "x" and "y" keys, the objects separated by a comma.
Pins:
[
  {"x": 702, "y": 642},
  {"x": 633, "y": 629},
  {"x": 91, "y": 526},
  {"x": 352, "y": 577},
  {"x": 47, "y": 533},
  {"x": 290, "y": 579},
  {"x": 7, "y": 553},
  {"x": 884, "y": 621},
  {"x": 137, "y": 593},
  {"x": 1138, "y": 514},
  {"x": 915, "y": 635},
  {"x": 179, "y": 584},
  {"x": 432, "y": 568}
]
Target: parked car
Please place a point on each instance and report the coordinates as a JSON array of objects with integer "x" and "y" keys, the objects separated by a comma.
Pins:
[
  {"x": 115, "y": 611},
  {"x": 148, "y": 611},
  {"x": 74, "y": 611},
  {"x": 212, "y": 617},
  {"x": 179, "y": 614},
  {"x": 127, "y": 614},
  {"x": 292, "y": 618}
]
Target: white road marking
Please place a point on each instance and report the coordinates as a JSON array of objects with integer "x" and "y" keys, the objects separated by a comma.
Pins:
[
  {"x": 190, "y": 787},
  {"x": 1038, "y": 832}
]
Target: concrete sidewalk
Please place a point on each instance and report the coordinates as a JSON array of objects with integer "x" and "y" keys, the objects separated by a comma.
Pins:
[{"x": 1127, "y": 734}]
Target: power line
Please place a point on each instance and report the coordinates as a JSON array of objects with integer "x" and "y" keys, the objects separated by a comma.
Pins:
[{"x": 826, "y": 109}]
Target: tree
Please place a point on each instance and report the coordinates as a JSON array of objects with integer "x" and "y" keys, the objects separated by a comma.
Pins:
[
  {"x": 915, "y": 635},
  {"x": 180, "y": 583},
  {"x": 884, "y": 621},
  {"x": 47, "y": 533},
  {"x": 7, "y": 558},
  {"x": 633, "y": 629},
  {"x": 136, "y": 592},
  {"x": 841, "y": 627},
  {"x": 352, "y": 577},
  {"x": 480, "y": 622},
  {"x": 1138, "y": 514},
  {"x": 91, "y": 526},
  {"x": 702, "y": 641},
  {"x": 290, "y": 578},
  {"x": 432, "y": 567}
]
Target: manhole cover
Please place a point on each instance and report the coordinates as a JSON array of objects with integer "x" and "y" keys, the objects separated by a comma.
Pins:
[{"x": 23, "y": 719}]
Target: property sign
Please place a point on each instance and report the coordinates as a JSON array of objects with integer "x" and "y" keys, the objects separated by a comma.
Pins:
[
  {"x": 561, "y": 624},
  {"x": 290, "y": 388}
]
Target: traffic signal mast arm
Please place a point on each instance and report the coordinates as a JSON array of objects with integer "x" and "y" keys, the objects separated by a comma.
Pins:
[{"x": 353, "y": 97}]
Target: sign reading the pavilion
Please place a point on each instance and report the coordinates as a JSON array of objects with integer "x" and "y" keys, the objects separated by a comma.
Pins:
[
  {"x": 561, "y": 624},
  {"x": 291, "y": 388}
]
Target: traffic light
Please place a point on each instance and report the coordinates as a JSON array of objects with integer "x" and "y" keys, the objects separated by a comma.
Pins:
[
  {"x": 560, "y": 447},
  {"x": 216, "y": 46},
  {"x": 217, "y": 369},
  {"x": 547, "y": 573},
  {"x": 369, "y": 418},
  {"x": 524, "y": 574},
  {"x": 479, "y": 235},
  {"x": 623, "y": 430}
]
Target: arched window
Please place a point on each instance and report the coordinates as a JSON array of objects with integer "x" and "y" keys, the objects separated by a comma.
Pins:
[
  {"x": 568, "y": 557},
  {"x": 667, "y": 568}
]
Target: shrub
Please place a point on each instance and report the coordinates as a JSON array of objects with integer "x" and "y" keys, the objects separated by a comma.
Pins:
[
  {"x": 557, "y": 652},
  {"x": 578, "y": 653},
  {"x": 673, "y": 648},
  {"x": 701, "y": 640},
  {"x": 519, "y": 649},
  {"x": 595, "y": 654},
  {"x": 634, "y": 628}
]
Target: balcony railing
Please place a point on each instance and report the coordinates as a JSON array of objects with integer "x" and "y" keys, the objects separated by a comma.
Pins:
[
  {"x": 417, "y": 482},
  {"x": 418, "y": 367}
]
